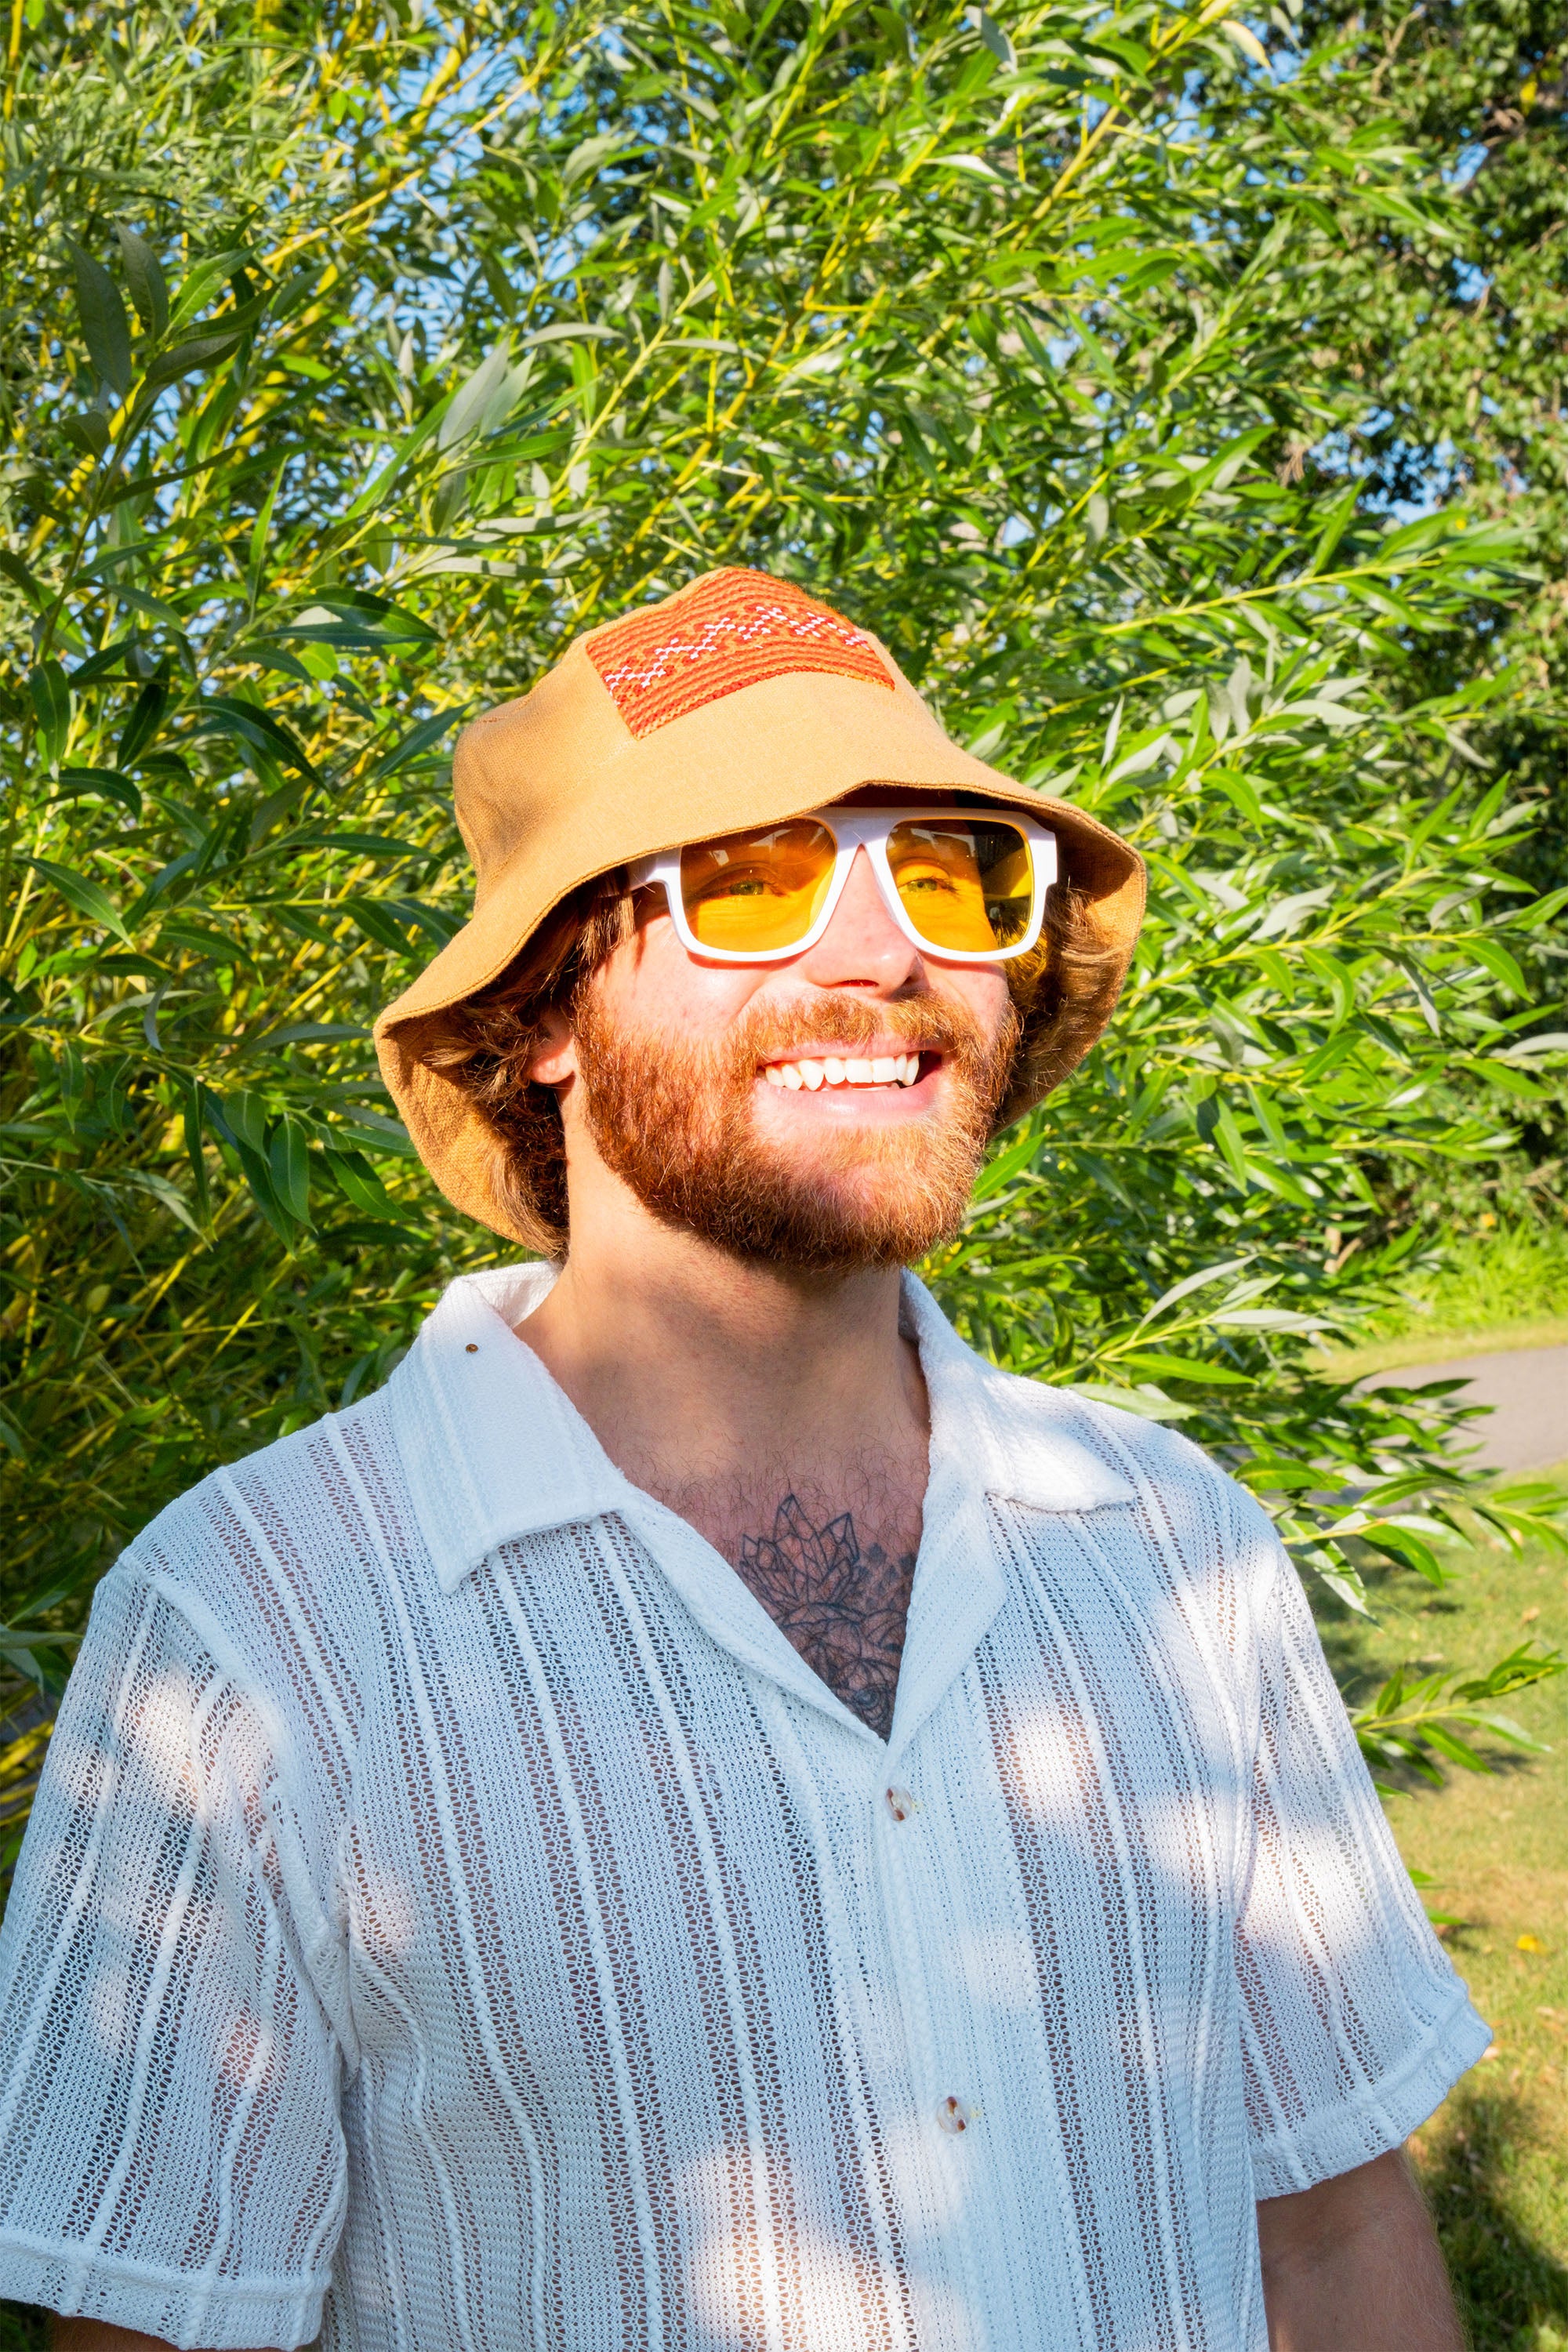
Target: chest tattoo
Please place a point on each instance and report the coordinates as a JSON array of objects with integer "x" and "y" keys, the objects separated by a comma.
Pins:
[{"x": 844, "y": 1605}]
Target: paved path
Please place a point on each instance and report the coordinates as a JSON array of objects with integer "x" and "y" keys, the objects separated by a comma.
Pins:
[{"x": 1528, "y": 1390}]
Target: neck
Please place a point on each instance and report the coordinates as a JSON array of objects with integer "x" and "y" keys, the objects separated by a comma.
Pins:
[{"x": 694, "y": 1367}]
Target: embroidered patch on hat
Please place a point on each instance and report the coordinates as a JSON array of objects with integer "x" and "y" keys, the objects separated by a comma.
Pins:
[{"x": 732, "y": 631}]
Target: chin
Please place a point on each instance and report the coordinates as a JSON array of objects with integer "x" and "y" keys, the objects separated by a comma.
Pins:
[{"x": 835, "y": 1204}]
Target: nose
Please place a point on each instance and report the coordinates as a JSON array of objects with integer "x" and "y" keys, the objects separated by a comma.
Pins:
[{"x": 863, "y": 945}]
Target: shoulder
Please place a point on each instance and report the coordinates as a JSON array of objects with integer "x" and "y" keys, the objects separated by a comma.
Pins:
[
  {"x": 279, "y": 1562},
  {"x": 1165, "y": 1523},
  {"x": 1060, "y": 1442},
  {"x": 1143, "y": 1483},
  {"x": 298, "y": 1493}
]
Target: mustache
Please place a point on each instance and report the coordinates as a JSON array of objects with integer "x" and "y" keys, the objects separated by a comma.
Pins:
[{"x": 921, "y": 1025}]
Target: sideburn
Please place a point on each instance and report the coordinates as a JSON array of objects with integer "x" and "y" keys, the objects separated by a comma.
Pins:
[{"x": 677, "y": 1124}]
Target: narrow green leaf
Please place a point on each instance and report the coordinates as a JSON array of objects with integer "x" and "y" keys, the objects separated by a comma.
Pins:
[
  {"x": 80, "y": 892},
  {"x": 184, "y": 359},
  {"x": 1502, "y": 966},
  {"x": 250, "y": 723},
  {"x": 373, "y": 917},
  {"x": 17, "y": 571},
  {"x": 261, "y": 530},
  {"x": 1185, "y": 1368},
  {"x": 360, "y": 1184},
  {"x": 289, "y": 1166},
  {"x": 141, "y": 727},
  {"x": 466, "y": 410},
  {"x": 999, "y": 1172},
  {"x": 418, "y": 740},
  {"x": 51, "y": 700},
  {"x": 994, "y": 38},
  {"x": 105, "y": 782},
  {"x": 105, "y": 328},
  {"x": 144, "y": 276},
  {"x": 243, "y": 1114}
]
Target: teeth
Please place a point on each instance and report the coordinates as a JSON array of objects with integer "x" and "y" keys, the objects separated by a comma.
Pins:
[{"x": 886, "y": 1070}]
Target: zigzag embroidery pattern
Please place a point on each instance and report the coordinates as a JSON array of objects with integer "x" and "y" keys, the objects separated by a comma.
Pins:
[{"x": 738, "y": 628}]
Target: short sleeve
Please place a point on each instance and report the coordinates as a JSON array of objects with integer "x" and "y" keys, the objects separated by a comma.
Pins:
[
  {"x": 1355, "y": 2024},
  {"x": 171, "y": 2157}
]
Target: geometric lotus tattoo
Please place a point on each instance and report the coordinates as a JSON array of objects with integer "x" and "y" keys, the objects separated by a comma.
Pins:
[{"x": 844, "y": 1609}]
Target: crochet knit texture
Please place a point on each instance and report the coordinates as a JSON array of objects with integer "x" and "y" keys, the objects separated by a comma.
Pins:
[{"x": 456, "y": 1917}]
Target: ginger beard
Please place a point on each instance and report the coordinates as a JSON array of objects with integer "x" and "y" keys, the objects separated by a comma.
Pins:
[{"x": 678, "y": 1122}]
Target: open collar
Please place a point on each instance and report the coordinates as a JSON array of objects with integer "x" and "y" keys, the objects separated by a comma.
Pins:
[
  {"x": 493, "y": 1448},
  {"x": 490, "y": 1445},
  {"x": 1020, "y": 1439}
]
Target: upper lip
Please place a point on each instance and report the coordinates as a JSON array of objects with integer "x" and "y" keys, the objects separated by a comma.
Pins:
[{"x": 882, "y": 1050}]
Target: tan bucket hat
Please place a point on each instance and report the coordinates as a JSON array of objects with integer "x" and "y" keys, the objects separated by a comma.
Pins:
[{"x": 738, "y": 700}]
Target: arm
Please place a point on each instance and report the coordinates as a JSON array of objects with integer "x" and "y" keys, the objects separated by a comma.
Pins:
[
  {"x": 1354, "y": 2266},
  {"x": 149, "y": 1873}
]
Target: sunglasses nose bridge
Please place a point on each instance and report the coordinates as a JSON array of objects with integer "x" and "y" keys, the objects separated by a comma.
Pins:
[
  {"x": 862, "y": 932},
  {"x": 872, "y": 848}
]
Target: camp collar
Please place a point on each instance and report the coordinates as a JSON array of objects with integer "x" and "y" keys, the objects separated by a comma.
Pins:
[{"x": 493, "y": 1448}]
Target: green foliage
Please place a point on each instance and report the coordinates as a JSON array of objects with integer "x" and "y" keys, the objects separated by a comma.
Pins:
[
  {"x": 1457, "y": 347},
  {"x": 1416, "y": 1719},
  {"x": 355, "y": 362}
]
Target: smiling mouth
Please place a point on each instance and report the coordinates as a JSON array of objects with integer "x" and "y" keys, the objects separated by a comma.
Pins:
[{"x": 829, "y": 1070}]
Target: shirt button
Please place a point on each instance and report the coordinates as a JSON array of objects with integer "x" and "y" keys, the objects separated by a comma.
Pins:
[
  {"x": 901, "y": 1804},
  {"x": 954, "y": 2117},
  {"x": 472, "y": 1348}
]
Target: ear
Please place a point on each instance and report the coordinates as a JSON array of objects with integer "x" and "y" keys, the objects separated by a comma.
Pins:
[{"x": 555, "y": 1057}]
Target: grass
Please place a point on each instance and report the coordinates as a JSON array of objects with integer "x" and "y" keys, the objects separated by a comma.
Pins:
[
  {"x": 1495, "y": 2156},
  {"x": 1504, "y": 1285},
  {"x": 1448, "y": 1345}
]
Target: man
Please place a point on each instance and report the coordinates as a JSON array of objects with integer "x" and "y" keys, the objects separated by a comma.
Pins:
[{"x": 703, "y": 1815}]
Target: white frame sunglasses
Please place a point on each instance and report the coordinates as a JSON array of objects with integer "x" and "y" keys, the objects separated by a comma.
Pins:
[{"x": 867, "y": 829}]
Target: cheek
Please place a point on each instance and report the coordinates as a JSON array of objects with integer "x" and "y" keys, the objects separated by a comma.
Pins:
[
  {"x": 652, "y": 985},
  {"x": 983, "y": 991}
]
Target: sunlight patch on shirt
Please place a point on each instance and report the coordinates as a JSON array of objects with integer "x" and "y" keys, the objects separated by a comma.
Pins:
[{"x": 161, "y": 1728}]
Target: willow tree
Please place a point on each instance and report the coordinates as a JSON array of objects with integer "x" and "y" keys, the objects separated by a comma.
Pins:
[{"x": 354, "y": 358}]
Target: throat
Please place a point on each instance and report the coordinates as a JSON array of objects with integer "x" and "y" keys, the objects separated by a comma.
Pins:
[{"x": 837, "y": 1584}]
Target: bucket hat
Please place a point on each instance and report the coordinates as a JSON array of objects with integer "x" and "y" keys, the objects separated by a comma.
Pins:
[{"x": 738, "y": 700}]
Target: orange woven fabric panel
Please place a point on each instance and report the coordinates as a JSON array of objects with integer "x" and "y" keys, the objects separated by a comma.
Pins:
[{"x": 736, "y": 629}]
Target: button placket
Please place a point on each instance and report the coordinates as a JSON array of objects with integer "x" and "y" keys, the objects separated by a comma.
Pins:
[{"x": 954, "y": 2116}]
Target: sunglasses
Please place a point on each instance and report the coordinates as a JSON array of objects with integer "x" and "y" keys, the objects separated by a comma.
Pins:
[{"x": 956, "y": 882}]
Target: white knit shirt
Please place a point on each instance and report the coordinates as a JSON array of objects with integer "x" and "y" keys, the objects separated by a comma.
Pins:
[{"x": 457, "y": 1919}]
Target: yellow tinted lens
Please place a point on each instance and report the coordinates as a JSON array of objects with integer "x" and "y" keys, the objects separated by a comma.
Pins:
[
  {"x": 748, "y": 892},
  {"x": 966, "y": 886}
]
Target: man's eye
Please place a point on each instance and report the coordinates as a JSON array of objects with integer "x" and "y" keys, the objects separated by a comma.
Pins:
[{"x": 724, "y": 888}]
